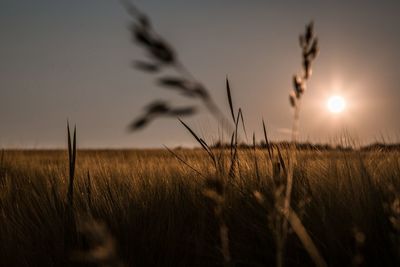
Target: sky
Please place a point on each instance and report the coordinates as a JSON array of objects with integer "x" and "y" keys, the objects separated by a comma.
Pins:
[{"x": 73, "y": 59}]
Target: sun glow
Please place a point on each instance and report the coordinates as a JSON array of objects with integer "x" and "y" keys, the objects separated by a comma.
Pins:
[{"x": 336, "y": 104}]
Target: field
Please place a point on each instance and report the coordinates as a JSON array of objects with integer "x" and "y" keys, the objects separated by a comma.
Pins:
[
  {"x": 148, "y": 208},
  {"x": 238, "y": 201}
]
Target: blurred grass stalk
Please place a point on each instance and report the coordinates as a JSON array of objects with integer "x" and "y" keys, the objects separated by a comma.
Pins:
[{"x": 310, "y": 49}]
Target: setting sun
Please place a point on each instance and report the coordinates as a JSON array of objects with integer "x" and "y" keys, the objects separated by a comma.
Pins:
[{"x": 336, "y": 104}]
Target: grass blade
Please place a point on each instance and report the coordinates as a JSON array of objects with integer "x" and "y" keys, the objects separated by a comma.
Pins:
[
  {"x": 71, "y": 161},
  {"x": 69, "y": 143},
  {"x": 255, "y": 157},
  {"x": 228, "y": 90},
  {"x": 282, "y": 162},
  {"x": 240, "y": 115},
  {"x": 304, "y": 237},
  {"x": 183, "y": 161},
  {"x": 266, "y": 141},
  {"x": 200, "y": 141}
]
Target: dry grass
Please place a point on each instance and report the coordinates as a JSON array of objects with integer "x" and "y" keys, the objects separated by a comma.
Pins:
[
  {"x": 154, "y": 211},
  {"x": 279, "y": 205}
]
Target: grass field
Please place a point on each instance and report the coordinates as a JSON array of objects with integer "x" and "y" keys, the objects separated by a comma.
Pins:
[
  {"x": 146, "y": 208},
  {"x": 228, "y": 204}
]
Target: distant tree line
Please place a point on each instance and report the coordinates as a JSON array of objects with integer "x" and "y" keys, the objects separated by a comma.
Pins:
[{"x": 311, "y": 146}]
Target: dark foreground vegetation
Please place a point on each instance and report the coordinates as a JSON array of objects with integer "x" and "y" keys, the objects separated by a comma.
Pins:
[{"x": 147, "y": 208}]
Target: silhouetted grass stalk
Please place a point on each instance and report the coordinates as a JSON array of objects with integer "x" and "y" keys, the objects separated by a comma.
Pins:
[
  {"x": 296, "y": 122},
  {"x": 71, "y": 165},
  {"x": 161, "y": 55},
  {"x": 309, "y": 45}
]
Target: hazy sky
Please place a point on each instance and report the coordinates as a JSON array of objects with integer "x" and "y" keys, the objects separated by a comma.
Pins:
[{"x": 71, "y": 59}]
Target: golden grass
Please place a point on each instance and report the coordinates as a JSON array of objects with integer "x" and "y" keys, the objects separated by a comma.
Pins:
[{"x": 154, "y": 208}]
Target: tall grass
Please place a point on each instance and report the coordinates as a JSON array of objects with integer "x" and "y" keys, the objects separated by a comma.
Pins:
[
  {"x": 155, "y": 209},
  {"x": 268, "y": 205},
  {"x": 162, "y": 55}
]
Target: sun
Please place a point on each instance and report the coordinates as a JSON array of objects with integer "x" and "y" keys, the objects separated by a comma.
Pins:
[{"x": 336, "y": 104}]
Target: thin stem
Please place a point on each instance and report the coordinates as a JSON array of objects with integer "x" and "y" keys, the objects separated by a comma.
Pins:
[{"x": 296, "y": 121}]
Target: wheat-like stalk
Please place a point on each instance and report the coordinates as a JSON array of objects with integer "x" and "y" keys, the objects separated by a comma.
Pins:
[
  {"x": 161, "y": 55},
  {"x": 309, "y": 45}
]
